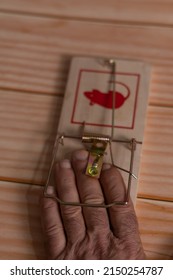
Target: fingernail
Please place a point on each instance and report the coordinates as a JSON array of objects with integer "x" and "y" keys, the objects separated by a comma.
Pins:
[
  {"x": 106, "y": 166},
  {"x": 65, "y": 163},
  {"x": 81, "y": 155},
  {"x": 50, "y": 190}
]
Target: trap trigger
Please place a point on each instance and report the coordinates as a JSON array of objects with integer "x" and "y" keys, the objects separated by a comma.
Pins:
[{"x": 96, "y": 154}]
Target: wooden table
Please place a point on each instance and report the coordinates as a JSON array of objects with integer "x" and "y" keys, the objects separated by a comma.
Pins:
[{"x": 37, "y": 41}]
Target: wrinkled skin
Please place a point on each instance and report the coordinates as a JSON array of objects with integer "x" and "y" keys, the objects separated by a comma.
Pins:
[{"x": 74, "y": 232}]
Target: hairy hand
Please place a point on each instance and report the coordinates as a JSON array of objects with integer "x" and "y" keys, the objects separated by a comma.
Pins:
[{"x": 73, "y": 232}]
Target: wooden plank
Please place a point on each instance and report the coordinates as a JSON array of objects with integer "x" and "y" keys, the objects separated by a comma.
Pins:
[
  {"x": 28, "y": 124},
  {"x": 21, "y": 235},
  {"x": 156, "y": 176},
  {"x": 156, "y": 256},
  {"x": 35, "y": 52},
  {"x": 137, "y": 11},
  {"x": 90, "y": 82},
  {"x": 156, "y": 227}
]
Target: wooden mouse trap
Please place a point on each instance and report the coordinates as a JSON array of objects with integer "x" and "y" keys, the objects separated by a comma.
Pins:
[{"x": 104, "y": 112}]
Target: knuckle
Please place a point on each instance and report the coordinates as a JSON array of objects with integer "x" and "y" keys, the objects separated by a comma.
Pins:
[
  {"x": 71, "y": 212},
  {"x": 98, "y": 222},
  {"x": 91, "y": 195},
  {"x": 93, "y": 199},
  {"x": 53, "y": 230},
  {"x": 100, "y": 244},
  {"x": 47, "y": 203}
]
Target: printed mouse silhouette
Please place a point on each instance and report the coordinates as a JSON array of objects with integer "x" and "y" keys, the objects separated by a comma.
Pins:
[{"x": 105, "y": 99}]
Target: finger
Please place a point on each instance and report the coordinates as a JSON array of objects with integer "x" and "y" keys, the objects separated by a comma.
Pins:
[
  {"x": 90, "y": 192},
  {"x": 67, "y": 191},
  {"x": 122, "y": 217},
  {"x": 52, "y": 225}
]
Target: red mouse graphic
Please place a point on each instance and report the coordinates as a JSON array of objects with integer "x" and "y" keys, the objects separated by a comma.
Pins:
[{"x": 105, "y": 99}]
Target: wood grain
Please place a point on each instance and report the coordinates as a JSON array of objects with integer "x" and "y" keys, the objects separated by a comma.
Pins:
[
  {"x": 137, "y": 11},
  {"x": 35, "y": 52},
  {"x": 156, "y": 256},
  {"x": 28, "y": 124},
  {"x": 21, "y": 235},
  {"x": 156, "y": 176},
  {"x": 37, "y": 41},
  {"x": 156, "y": 227}
]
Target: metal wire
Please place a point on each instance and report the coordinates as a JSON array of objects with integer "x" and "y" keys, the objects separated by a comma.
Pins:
[
  {"x": 60, "y": 141},
  {"x": 113, "y": 64},
  {"x": 89, "y": 138}
]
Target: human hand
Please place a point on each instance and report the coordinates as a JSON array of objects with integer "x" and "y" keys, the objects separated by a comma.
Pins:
[{"x": 73, "y": 232}]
